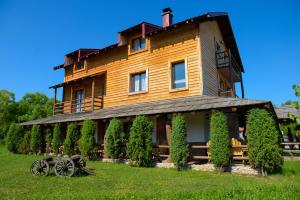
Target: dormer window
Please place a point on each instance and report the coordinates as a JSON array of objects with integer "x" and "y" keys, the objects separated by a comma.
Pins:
[
  {"x": 80, "y": 65},
  {"x": 138, "y": 44}
]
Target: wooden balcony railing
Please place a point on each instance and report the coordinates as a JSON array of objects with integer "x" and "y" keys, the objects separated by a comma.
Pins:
[
  {"x": 226, "y": 93},
  {"x": 79, "y": 105}
]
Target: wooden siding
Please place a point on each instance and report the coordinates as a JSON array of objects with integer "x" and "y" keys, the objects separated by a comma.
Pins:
[
  {"x": 209, "y": 35},
  {"x": 180, "y": 44}
]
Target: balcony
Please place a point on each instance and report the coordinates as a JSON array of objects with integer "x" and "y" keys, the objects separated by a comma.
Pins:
[
  {"x": 79, "y": 105},
  {"x": 228, "y": 66}
]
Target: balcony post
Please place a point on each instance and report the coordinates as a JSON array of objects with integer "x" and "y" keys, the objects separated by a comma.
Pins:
[
  {"x": 93, "y": 93},
  {"x": 54, "y": 103}
]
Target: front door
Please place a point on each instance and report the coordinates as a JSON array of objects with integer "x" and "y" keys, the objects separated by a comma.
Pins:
[{"x": 79, "y": 100}]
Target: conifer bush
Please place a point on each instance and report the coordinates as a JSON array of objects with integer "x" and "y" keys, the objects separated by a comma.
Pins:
[
  {"x": 114, "y": 139},
  {"x": 48, "y": 140},
  {"x": 36, "y": 139},
  {"x": 56, "y": 138},
  {"x": 139, "y": 147},
  {"x": 14, "y": 137},
  {"x": 263, "y": 144},
  {"x": 219, "y": 140},
  {"x": 179, "y": 148},
  {"x": 71, "y": 140},
  {"x": 25, "y": 143},
  {"x": 87, "y": 141}
]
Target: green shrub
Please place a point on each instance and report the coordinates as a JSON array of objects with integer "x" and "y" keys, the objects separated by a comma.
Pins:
[
  {"x": 139, "y": 147},
  {"x": 25, "y": 143},
  {"x": 114, "y": 139},
  {"x": 87, "y": 141},
  {"x": 219, "y": 140},
  {"x": 36, "y": 139},
  {"x": 48, "y": 139},
  {"x": 179, "y": 148},
  {"x": 71, "y": 139},
  {"x": 14, "y": 137},
  {"x": 262, "y": 135},
  {"x": 56, "y": 140}
]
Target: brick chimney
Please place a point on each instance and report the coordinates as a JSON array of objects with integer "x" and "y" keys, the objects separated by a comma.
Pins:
[{"x": 167, "y": 17}]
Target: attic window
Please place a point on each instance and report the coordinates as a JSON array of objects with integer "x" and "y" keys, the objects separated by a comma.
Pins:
[
  {"x": 80, "y": 65},
  {"x": 138, "y": 44}
]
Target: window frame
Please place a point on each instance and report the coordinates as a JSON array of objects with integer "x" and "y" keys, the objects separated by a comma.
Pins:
[
  {"x": 140, "y": 38},
  {"x": 131, "y": 82},
  {"x": 84, "y": 65},
  {"x": 171, "y": 76}
]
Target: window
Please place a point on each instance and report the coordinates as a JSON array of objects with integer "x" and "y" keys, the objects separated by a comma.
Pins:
[
  {"x": 79, "y": 65},
  {"x": 178, "y": 75},
  {"x": 138, "y": 44},
  {"x": 79, "y": 100},
  {"x": 138, "y": 82}
]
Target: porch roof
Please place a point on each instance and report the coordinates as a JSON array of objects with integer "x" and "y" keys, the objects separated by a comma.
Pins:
[
  {"x": 282, "y": 112},
  {"x": 182, "y": 104}
]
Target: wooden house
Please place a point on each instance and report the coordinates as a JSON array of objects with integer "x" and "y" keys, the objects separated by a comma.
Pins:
[{"x": 190, "y": 67}]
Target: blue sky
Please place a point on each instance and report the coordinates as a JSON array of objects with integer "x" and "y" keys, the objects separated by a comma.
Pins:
[{"x": 35, "y": 35}]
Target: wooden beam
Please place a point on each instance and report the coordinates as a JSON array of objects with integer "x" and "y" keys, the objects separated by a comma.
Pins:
[
  {"x": 71, "y": 98},
  {"x": 93, "y": 93},
  {"x": 55, "y": 93}
]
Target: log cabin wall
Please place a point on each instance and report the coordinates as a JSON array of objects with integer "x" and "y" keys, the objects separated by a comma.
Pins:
[
  {"x": 209, "y": 35},
  {"x": 119, "y": 63}
]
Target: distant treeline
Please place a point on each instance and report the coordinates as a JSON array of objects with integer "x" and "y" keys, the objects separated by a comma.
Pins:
[{"x": 31, "y": 106}]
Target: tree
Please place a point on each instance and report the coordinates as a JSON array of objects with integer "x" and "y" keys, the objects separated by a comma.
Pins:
[
  {"x": 114, "y": 139},
  {"x": 14, "y": 137},
  {"x": 34, "y": 106},
  {"x": 36, "y": 139},
  {"x": 87, "y": 141},
  {"x": 263, "y": 144},
  {"x": 139, "y": 147},
  {"x": 179, "y": 148},
  {"x": 71, "y": 139},
  {"x": 8, "y": 111},
  {"x": 56, "y": 140},
  {"x": 24, "y": 147},
  {"x": 219, "y": 141}
]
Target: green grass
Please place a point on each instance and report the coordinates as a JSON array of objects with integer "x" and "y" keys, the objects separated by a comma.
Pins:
[{"x": 119, "y": 181}]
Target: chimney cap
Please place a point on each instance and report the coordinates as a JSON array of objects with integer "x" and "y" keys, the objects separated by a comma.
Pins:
[{"x": 168, "y": 9}]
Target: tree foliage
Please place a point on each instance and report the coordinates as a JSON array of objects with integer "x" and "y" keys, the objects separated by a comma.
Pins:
[
  {"x": 219, "y": 141},
  {"x": 24, "y": 147},
  {"x": 114, "y": 139},
  {"x": 179, "y": 148},
  {"x": 87, "y": 140},
  {"x": 8, "y": 111},
  {"x": 263, "y": 144},
  {"x": 56, "y": 138},
  {"x": 71, "y": 140},
  {"x": 139, "y": 147},
  {"x": 36, "y": 138},
  {"x": 14, "y": 137}
]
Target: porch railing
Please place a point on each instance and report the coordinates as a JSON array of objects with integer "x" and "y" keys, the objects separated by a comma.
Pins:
[{"x": 79, "y": 105}]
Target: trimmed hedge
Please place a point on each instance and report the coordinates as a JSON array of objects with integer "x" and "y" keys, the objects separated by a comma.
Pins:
[
  {"x": 263, "y": 144},
  {"x": 71, "y": 140},
  {"x": 87, "y": 140},
  {"x": 36, "y": 139},
  {"x": 25, "y": 143},
  {"x": 219, "y": 140},
  {"x": 14, "y": 137},
  {"x": 56, "y": 140},
  {"x": 114, "y": 139},
  {"x": 139, "y": 147},
  {"x": 179, "y": 148}
]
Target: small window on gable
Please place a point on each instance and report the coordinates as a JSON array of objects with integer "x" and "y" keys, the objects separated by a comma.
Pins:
[
  {"x": 80, "y": 65},
  {"x": 138, "y": 82},
  {"x": 178, "y": 75},
  {"x": 138, "y": 44}
]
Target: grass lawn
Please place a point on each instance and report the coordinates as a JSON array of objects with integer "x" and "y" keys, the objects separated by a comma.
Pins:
[{"x": 119, "y": 181}]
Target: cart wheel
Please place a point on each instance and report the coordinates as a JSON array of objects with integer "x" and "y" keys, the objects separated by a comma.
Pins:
[
  {"x": 64, "y": 167},
  {"x": 39, "y": 168},
  {"x": 82, "y": 163}
]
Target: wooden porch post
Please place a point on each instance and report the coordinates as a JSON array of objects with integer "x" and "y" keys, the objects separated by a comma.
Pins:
[
  {"x": 93, "y": 93},
  {"x": 71, "y": 99},
  {"x": 54, "y": 103},
  {"x": 168, "y": 137}
]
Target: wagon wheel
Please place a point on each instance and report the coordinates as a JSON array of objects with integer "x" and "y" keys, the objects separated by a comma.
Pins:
[
  {"x": 81, "y": 163},
  {"x": 64, "y": 167},
  {"x": 39, "y": 168}
]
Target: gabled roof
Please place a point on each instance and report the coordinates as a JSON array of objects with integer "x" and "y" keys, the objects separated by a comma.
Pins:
[
  {"x": 221, "y": 17},
  {"x": 182, "y": 104}
]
